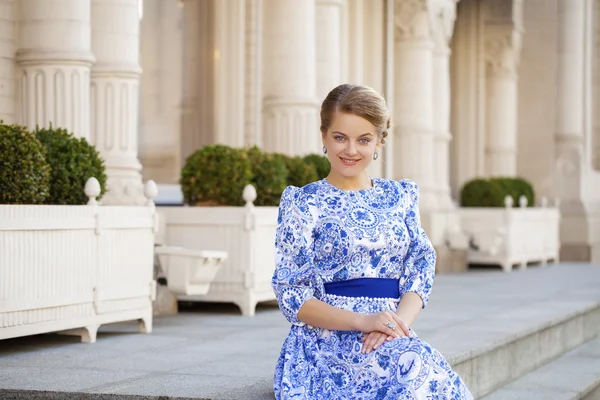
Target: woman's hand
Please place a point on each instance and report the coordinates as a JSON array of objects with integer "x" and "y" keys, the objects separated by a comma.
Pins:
[
  {"x": 386, "y": 322},
  {"x": 373, "y": 340}
]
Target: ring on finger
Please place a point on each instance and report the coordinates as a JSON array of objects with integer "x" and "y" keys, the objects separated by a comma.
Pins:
[{"x": 390, "y": 325}]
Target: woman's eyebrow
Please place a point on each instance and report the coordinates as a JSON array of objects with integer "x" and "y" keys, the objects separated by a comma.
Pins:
[{"x": 364, "y": 134}]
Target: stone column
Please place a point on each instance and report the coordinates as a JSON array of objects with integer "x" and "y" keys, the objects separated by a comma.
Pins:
[
  {"x": 444, "y": 26},
  {"x": 290, "y": 105},
  {"x": 161, "y": 91},
  {"x": 196, "y": 115},
  {"x": 8, "y": 19},
  {"x": 329, "y": 49},
  {"x": 115, "y": 96},
  {"x": 54, "y": 58},
  {"x": 595, "y": 44},
  {"x": 502, "y": 48},
  {"x": 254, "y": 54},
  {"x": 576, "y": 182},
  {"x": 413, "y": 113}
]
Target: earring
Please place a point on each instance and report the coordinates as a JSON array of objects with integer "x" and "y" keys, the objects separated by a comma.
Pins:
[
  {"x": 324, "y": 150},
  {"x": 375, "y": 156}
]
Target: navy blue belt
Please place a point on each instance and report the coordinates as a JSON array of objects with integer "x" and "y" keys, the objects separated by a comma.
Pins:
[{"x": 365, "y": 287}]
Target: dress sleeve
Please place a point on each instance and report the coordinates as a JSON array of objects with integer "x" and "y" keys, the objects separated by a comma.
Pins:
[
  {"x": 419, "y": 263},
  {"x": 293, "y": 280}
]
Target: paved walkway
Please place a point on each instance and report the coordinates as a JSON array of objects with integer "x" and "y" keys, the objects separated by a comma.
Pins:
[{"x": 212, "y": 352}]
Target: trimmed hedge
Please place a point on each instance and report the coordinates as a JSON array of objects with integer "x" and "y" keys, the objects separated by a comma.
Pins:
[
  {"x": 216, "y": 175},
  {"x": 321, "y": 164},
  {"x": 270, "y": 176},
  {"x": 301, "y": 173},
  {"x": 72, "y": 162},
  {"x": 492, "y": 191},
  {"x": 24, "y": 171}
]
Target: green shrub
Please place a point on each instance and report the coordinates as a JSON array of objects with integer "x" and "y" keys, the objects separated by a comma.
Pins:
[
  {"x": 72, "y": 162},
  {"x": 24, "y": 171},
  {"x": 321, "y": 164},
  {"x": 491, "y": 192},
  {"x": 216, "y": 175},
  {"x": 270, "y": 176},
  {"x": 300, "y": 172},
  {"x": 516, "y": 187}
]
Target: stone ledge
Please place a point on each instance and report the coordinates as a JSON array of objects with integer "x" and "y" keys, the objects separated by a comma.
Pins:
[{"x": 45, "y": 395}]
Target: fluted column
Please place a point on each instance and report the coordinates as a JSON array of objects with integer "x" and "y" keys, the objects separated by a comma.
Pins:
[
  {"x": 115, "y": 96},
  {"x": 444, "y": 27},
  {"x": 8, "y": 20},
  {"x": 413, "y": 112},
  {"x": 290, "y": 105},
  {"x": 502, "y": 50},
  {"x": 329, "y": 50},
  {"x": 595, "y": 49},
  {"x": 54, "y": 58},
  {"x": 253, "y": 71},
  {"x": 569, "y": 122}
]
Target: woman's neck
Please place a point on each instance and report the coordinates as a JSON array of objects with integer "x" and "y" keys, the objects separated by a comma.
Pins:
[{"x": 359, "y": 182}]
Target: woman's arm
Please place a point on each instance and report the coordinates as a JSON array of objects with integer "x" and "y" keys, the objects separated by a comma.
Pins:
[
  {"x": 409, "y": 308},
  {"x": 320, "y": 314}
]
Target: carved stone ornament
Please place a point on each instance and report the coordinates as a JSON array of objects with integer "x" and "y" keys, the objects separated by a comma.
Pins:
[
  {"x": 412, "y": 19},
  {"x": 502, "y": 50},
  {"x": 445, "y": 17}
]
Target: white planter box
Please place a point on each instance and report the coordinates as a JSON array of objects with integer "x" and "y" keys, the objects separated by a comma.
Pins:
[
  {"x": 512, "y": 236},
  {"x": 246, "y": 234},
  {"x": 74, "y": 268}
]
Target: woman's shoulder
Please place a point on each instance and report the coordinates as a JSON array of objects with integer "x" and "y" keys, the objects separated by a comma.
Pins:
[
  {"x": 404, "y": 185},
  {"x": 300, "y": 197},
  {"x": 306, "y": 191},
  {"x": 404, "y": 190}
]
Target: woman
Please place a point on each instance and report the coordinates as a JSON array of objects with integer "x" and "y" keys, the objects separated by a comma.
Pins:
[{"x": 354, "y": 268}]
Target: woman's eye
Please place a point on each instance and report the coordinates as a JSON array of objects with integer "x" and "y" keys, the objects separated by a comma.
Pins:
[
  {"x": 365, "y": 141},
  {"x": 340, "y": 138}
]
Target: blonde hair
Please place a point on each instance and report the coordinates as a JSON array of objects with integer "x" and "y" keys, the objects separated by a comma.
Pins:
[{"x": 361, "y": 101}]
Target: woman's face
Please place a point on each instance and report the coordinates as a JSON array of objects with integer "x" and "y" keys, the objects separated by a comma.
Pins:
[{"x": 351, "y": 142}]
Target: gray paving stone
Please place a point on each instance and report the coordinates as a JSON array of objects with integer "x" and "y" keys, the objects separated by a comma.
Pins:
[{"x": 59, "y": 379}]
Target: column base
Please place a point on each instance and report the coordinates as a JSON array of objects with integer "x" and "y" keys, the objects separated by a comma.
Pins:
[
  {"x": 580, "y": 232},
  {"x": 577, "y": 252},
  {"x": 444, "y": 232},
  {"x": 450, "y": 260}
]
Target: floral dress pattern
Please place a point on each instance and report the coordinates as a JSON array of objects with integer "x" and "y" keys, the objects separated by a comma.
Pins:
[{"x": 326, "y": 234}]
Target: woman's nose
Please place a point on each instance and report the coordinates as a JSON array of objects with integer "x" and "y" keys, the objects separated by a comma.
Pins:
[{"x": 350, "y": 149}]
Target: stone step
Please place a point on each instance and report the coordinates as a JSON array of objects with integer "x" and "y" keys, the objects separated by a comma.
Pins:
[
  {"x": 491, "y": 349},
  {"x": 575, "y": 375}
]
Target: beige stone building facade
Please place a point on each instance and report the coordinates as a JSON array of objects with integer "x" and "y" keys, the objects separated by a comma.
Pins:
[{"x": 476, "y": 88}]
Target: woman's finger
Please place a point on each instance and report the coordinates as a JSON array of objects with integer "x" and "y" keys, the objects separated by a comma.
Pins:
[
  {"x": 400, "y": 325},
  {"x": 390, "y": 326},
  {"x": 380, "y": 341},
  {"x": 376, "y": 339},
  {"x": 371, "y": 340},
  {"x": 366, "y": 341}
]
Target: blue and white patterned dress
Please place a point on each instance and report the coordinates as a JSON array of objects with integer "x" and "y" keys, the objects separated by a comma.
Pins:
[{"x": 326, "y": 234}]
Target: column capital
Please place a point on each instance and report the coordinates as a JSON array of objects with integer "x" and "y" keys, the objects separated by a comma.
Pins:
[
  {"x": 425, "y": 19},
  {"x": 444, "y": 17},
  {"x": 412, "y": 20},
  {"x": 502, "y": 50}
]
